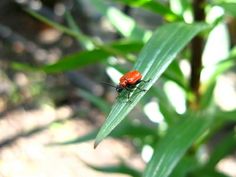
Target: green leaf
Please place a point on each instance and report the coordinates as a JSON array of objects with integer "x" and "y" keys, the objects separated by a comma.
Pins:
[
  {"x": 121, "y": 168},
  {"x": 228, "y": 116},
  {"x": 207, "y": 99},
  {"x": 229, "y": 8},
  {"x": 89, "y": 136},
  {"x": 129, "y": 129},
  {"x": 83, "y": 58},
  {"x": 79, "y": 36},
  {"x": 97, "y": 101},
  {"x": 123, "y": 23},
  {"x": 153, "y": 6},
  {"x": 175, "y": 143},
  {"x": 210, "y": 173},
  {"x": 154, "y": 59},
  {"x": 186, "y": 165}
]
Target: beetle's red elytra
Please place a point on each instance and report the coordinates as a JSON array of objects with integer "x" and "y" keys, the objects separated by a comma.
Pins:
[
  {"x": 131, "y": 78},
  {"x": 129, "y": 82}
]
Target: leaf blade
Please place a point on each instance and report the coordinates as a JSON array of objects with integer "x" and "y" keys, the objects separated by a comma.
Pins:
[
  {"x": 175, "y": 143},
  {"x": 83, "y": 58},
  {"x": 152, "y": 62}
]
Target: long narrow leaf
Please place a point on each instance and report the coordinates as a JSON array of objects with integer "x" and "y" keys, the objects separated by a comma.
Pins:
[
  {"x": 176, "y": 142},
  {"x": 155, "y": 57},
  {"x": 137, "y": 131},
  {"x": 121, "y": 168},
  {"x": 83, "y": 58},
  {"x": 81, "y": 37}
]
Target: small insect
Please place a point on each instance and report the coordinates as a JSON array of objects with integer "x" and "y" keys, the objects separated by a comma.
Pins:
[{"x": 129, "y": 82}]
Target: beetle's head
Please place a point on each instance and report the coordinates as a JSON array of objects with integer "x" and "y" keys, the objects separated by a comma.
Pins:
[{"x": 119, "y": 88}]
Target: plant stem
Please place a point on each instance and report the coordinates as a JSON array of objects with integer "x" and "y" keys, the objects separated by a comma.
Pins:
[{"x": 197, "y": 45}]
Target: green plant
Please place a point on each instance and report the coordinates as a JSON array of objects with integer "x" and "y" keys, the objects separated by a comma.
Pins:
[{"x": 187, "y": 22}]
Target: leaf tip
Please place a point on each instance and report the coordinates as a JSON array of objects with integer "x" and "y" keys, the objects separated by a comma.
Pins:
[{"x": 96, "y": 143}]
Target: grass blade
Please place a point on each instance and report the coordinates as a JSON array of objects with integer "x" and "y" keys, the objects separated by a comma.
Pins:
[
  {"x": 175, "y": 143},
  {"x": 120, "y": 168},
  {"x": 154, "y": 59},
  {"x": 83, "y": 58}
]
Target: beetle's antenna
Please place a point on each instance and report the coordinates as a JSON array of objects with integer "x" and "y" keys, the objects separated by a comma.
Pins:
[{"x": 108, "y": 84}]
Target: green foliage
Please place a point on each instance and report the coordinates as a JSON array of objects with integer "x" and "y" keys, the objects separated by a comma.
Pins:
[
  {"x": 122, "y": 168},
  {"x": 151, "y": 63},
  {"x": 160, "y": 58},
  {"x": 177, "y": 140},
  {"x": 229, "y": 7},
  {"x": 83, "y": 58}
]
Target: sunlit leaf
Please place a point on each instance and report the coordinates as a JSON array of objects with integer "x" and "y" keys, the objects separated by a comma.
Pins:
[{"x": 154, "y": 59}]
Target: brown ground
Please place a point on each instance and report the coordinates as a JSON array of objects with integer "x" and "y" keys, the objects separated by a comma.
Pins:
[{"x": 29, "y": 156}]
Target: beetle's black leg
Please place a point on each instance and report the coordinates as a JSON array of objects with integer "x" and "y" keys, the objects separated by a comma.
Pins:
[
  {"x": 140, "y": 81},
  {"x": 140, "y": 88},
  {"x": 144, "y": 81},
  {"x": 129, "y": 89},
  {"x": 128, "y": 95}
]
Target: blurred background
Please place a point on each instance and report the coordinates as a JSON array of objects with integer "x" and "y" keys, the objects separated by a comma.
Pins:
[
  {"x": 37, "y": 109},
  {"x": 48, "y": 121}
]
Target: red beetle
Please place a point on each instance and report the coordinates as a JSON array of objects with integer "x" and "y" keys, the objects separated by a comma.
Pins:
[{"x": 129, "y": 82}]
